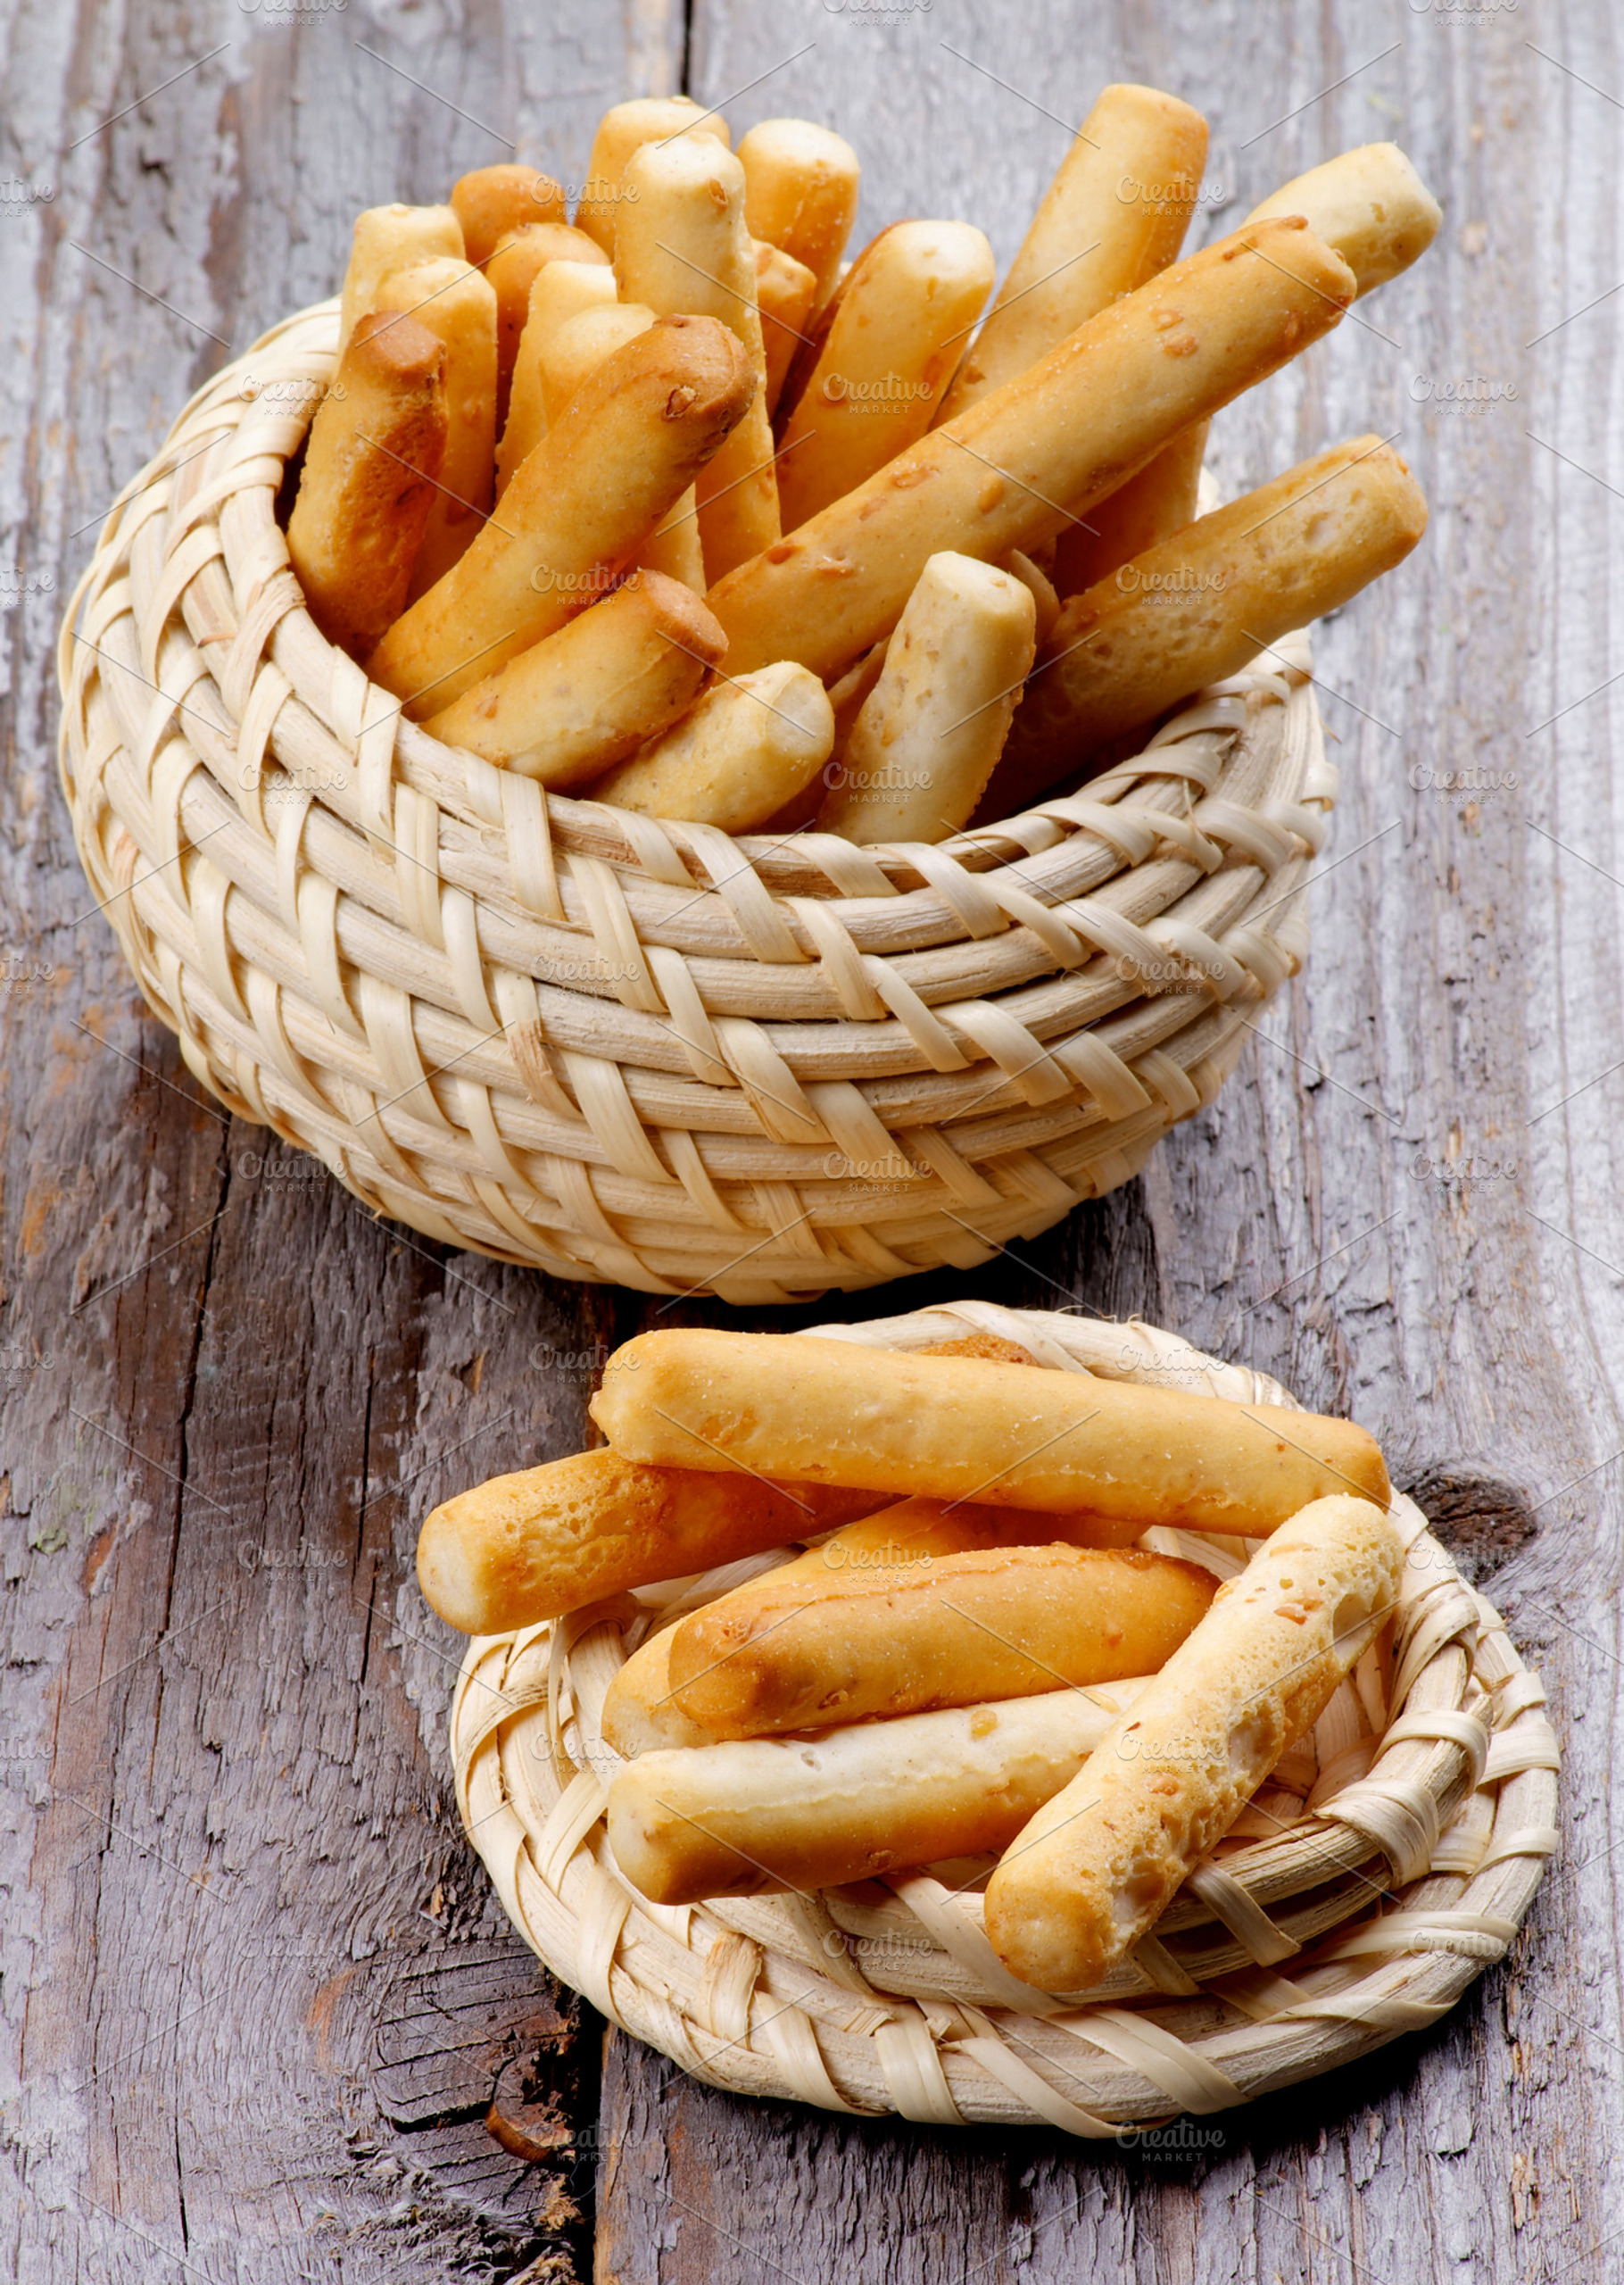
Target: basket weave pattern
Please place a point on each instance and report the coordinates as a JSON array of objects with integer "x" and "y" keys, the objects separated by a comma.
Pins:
[
  {"x": 623, "y": 1048},
  {"x": 1393, "y": 1855}
]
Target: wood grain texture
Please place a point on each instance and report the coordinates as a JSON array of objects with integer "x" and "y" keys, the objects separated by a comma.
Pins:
[{"x": 255, "y": 2001}]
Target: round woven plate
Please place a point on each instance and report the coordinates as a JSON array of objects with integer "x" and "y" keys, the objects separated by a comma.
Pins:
[
  {"x": 1391, "y": 1856},
  {"x": 619, "y": 1048}
]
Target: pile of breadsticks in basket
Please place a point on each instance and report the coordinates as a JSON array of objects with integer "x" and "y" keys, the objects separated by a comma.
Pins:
[
  {"x": 954, "y": 1634},
  {"x": 670, "y": 507}
]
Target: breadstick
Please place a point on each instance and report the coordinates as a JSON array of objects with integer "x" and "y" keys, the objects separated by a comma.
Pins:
[
  {"x": 1151, "y": 506},
  {"x": 548, "y": 1539},
  {"x": 492, "y": 200},
  {"x": 512, "y": 270},
  {"x": 897, "y": 1543},
  {"x": 367, "y": 487},
  {"x": 1370, "y": 207},
  {"x": 1114, "y": 216},
  {"x": 898, "y": 325},
  {"x": 646, "y": 119},
  {"x": 562, "y": 290},
  {"x": 1096, "y": 1867},
  {"x": 801, "y": 194},
  {"x": 748, "y": 747},
  {"x": 959, "y": 1630},
  {"x": 630, "y": 441},
  {"x": 1205, "y": 602},
  {"x": 1369, "y": 204},
  {"x": 927, "y": 737},
  {"x": 683, "y": 245},
  {"x": 388, "y": 238},
  {"x": 456, "y": 303},
  {"x": 1071, "y": 428},
  {"x": 852, "y": 1804},
  {"x": 785, "y": 290},
  {"x": 588, "y": 695},
  {"x": 960, "y": 1428}
]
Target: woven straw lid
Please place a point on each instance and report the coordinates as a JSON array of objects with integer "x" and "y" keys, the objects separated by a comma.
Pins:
[
  {"x": 616, "y": 1047},
  {"x": 1391, "y": 1856}
]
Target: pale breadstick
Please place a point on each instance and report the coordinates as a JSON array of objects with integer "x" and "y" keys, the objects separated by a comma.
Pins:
[
  {"x": 640, "y": 1715},
  {"x": 1369, "y": 204},
  {"x": 681, "y": 246},
  {"x": 801, "y": 192},
  {"x": 927, "y": 738},
  {"x": 785, "y": 291},
  {"x": 1096, "y": 1867},
  {"x": 1151, "y": 506},
  {"x": 1204, "y": 602},
  {"x": 1071, "y": 428},
  {"x": 579, "y": 348},
  {"x": 586, "y": 697},
  {"x": 960, "y": 1428},
  {"x": 548, "y": 1539},
  {"x": 512, "y": 270},
  {"x": 1114, "y": 216},
  {"x": 646, "y": 119},
  {"x": 492, "y": 200},
  {"x": 366, "y": 487},
  {"x": 956, "y": 1631},
  {"x": 453, "y": 301},
  {"x": 562, "y": 290},
  {"x": 852, "y": 1804},
  {"x": 746, "y": 749},
  {"x": 630, "y": 441},
  {"x": 388, "y": 238},
  {"x": 889, "y": 351}
]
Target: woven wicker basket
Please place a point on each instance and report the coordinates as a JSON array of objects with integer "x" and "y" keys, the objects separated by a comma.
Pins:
[
  {"x": 624, "y": 1050},
  {"x": 1292, "y": 1950}
]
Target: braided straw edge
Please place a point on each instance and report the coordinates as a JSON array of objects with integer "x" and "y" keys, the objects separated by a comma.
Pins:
[
  {"x": 633, "y": 1049},
  {"x": 830, "y": 2001}
]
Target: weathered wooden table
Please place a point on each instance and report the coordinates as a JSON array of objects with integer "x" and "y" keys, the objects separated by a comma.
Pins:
[{"x": 257, "y": 2001}]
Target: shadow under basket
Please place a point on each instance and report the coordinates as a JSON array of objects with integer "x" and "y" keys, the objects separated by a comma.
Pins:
[
  {"x": 1392, "y": 1856},
  {"x": 624, "y": 1049}
]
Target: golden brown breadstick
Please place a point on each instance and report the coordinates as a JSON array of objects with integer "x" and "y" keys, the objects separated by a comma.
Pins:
[
  {"x": 588, "y": 695},
  {"x": 1071, "y": 428},
  {"x": 897, "y": 324},
  {"x": 1205, "y": 603},
  {"x": 1114, "y": 216},
  {"x": 454, "y": 302},
  {"x": 562, "y": 290},
  {"x": 388, "y": 238},
  {"x": 549, "y": 1539},
  {"x": 1151, "y": 506},
  {"x": 366, "y": 487},
  {"x": 646, "y": 119},
  {"x": 492, "y": 200},
  {"x": 1369, "y": 204},
  {"x": 785, "y": 290},
  {"x": 631, "y": 441},
  {"x": 1096, "y": 1867},
  {"x": 801, "y": 192},
  {"x": 958, "y": 1630},
  {"x": 959, "y": 1428},
  {"x": 512, "y": 270},
  {"x": 898, "y": 1542},
  {"x": 852, "y": 1804},
  {"x": 926, "y": 740},
  {"x": 747, "y": 748},
  {"x": 683, "y": 245}
]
